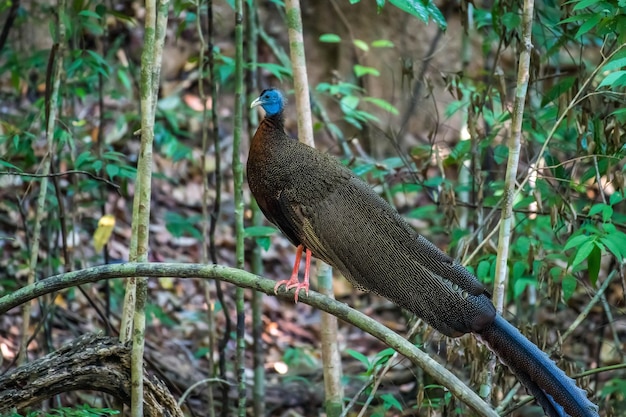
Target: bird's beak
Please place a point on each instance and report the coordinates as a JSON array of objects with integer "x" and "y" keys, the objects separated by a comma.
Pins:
[{"x": 256, "y": 102}]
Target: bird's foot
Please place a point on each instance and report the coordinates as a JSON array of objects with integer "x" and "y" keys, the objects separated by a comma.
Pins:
[
  {"x": 293, "y": 281},
  {"x": 288, "y": 283},
  {"x": 299, "y": 286}
]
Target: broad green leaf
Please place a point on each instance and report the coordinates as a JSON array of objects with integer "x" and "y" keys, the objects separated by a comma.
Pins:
[
  {"x": 575, "y": 18},
  {"x": 7, "y": 164},
  {"x": 620, "y": 114},
  {"x": 277, "y": 70},
  {"x": 521, "y": 284},
  {"x": 614, "y": 79},
  {"x": 360, "y": 70},
  {"x": 383, "y": 356},
  {"x": 518, "y": 269},
  {"x": 383, "y": 104},
  {"x": 436, "y": 15},
  {"x": 259, "y": 231},
  {"x": 615, "y": 198},
  {"x": 482, "y": 271},
  {"x": 382, "y": 43},
  {"x": 612, "y": 247},
  {"x": 362, "y": 45},
  {"x": 359, "y": 357},
  {"x": 583, "y": 252},
  {"x": 593, "y": 264},
  {"x": 616, "y": 243},
  {"x": 89, "y": 13},
  {"x": 511, "y": 21},
  {"x": 390, "y": 401},
  {"x": 330, "y": 38},
  {"x": 500, "y": 154},
  {"x": 588, "y": 24},
  {"x": 607, "y": 213},
  {"x": 413, "y": 7},
  {"x": 460, "y": 150},
  {"x": 562, "y": 86},
  {"x": 348, "y": 103},
  {"x": 568, "y": 285},
  {"x": 583, "y": 4},
  {"x": 112, "y": 170},
  {"x": 617, "y": 62},
  {"x": 597, "y": 208}
]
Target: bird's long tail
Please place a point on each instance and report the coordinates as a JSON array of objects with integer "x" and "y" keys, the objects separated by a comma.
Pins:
[{"x": 552, "y": 388}]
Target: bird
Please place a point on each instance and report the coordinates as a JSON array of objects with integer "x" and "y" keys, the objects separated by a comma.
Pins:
[{"x": 326, "y": 211}]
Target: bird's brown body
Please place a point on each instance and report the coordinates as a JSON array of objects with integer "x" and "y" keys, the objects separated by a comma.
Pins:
[{"x": 323, "y": 206}]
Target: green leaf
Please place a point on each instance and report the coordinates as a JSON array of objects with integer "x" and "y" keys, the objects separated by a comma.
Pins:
[
  {"x": 112, "y": 170},
  {"x": 482, "y": 272},
  {"x": 361, "y": 45},
  {"x": 383, "y": 356},
  {"x": 607, "y": 213},
  {"x": 360, "y": 70},
  {"x": 436, "y": 15},
  {"x": 520, "y": 286},
  {"x": 558, "y": 89},
  {"x": 359, "y": 357},
  {"x": 383, "y": 104},
  {"x": 89, "y": 13},
  {"x": 413, "y": 7},
  {"x": 348, "y": 103},
  {"x": 614, "y": 79},
  {"x": 390, "y": 401},
  {"x": 593, "y": 264},
  {"x": 583, "y": 252},
  {"x": 519, "y": 268},
  {"x": 277, "y": 70},
  {"x": 618, "y": 61},
  {"x": 615, "y": 198},
  {"x": 382, "y": 43},
  {"x": 614, "y": 242},
  {"x": 7, "y": 164},
  {"x": 263, "y": 242},
  {"x": 588, "y": 25},
  {"x": 330, "y": 38},
  {"x": 500, "y": 154},
  {"x": 259, "y": 231},
  {"x": 568, "y": 285},
  {"x": 460, "y": 150},
  {"x": 511, "y": 20},
  {"x": 597, "y": 208},
  {"x": 582, "y": 4}
]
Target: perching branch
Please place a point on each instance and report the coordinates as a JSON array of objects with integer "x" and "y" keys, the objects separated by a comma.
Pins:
[{"x": 247, "y": 280}]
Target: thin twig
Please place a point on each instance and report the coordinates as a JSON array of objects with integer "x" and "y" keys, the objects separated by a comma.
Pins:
[{"x": 61, "y": 174}]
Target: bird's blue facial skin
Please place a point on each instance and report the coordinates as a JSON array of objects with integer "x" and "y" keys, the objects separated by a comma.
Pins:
[{"x": 271, "y": 101}]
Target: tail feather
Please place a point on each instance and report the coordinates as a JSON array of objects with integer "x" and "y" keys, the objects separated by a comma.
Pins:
[{"x": 552, "y": 388}]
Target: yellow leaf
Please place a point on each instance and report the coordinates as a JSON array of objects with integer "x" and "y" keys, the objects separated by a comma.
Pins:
[
  {"x": 103, "y": 233},
  {"x": 167, "y": 283},
  {"x": 60, "y": 301}
]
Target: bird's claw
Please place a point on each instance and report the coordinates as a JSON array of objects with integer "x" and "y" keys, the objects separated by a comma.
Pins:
[{"x": 289, "y": 284}]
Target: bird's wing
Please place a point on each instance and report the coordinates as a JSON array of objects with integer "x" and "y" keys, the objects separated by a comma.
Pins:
[{"x": 355, "y": 231}]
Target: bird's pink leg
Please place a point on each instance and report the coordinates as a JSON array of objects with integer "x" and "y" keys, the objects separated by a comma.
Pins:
[
  {"x": 304, "y": 285},
  {"x": 293, "y": 281}
]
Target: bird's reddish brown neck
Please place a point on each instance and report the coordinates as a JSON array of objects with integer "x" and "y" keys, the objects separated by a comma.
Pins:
[{"x": 275, "y": 121}]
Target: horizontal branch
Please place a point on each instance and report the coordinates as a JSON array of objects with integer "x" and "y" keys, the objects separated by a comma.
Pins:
[{"x": 247, "y": 280}]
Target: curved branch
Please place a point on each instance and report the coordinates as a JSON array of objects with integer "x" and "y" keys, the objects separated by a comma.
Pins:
[
  {"x": 90, "y": 362},
  {"x": 247, "y": 280}
]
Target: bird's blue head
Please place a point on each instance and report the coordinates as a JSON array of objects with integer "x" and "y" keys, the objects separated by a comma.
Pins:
[{"x": 271, "y": 100}]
